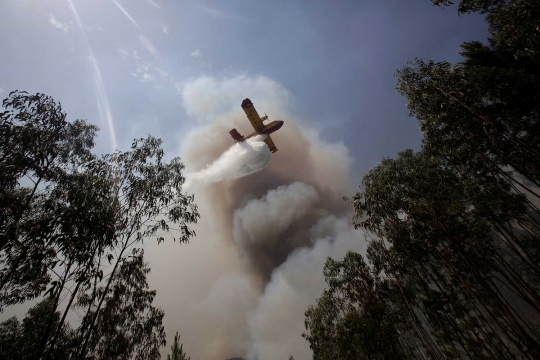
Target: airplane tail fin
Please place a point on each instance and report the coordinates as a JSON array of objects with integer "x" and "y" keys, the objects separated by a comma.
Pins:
[{"x": 235, "y": 135}]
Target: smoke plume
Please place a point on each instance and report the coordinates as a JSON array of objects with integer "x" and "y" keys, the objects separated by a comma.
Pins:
[
  {"x": 277, "y": 322},
  {"x": 240, "y": 288}
]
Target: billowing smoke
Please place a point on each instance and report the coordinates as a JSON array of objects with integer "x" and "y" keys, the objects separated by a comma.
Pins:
[
  {"x": 240, "y": 288},
  {"x": 281, "y": 207},
  {"x": 277, "y": 322},
  {"x": 242, "y": 159}
]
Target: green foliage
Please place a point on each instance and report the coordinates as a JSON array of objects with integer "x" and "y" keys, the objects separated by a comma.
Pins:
[
  {"x": 355, "y": 317},
  {"x": 443, "y": 249},
  {"x": 447, "y": 276},
  {"x": 22, "y": 341},
  {"x": 452, "y": 266},
  {"x": 72, "y": 226},
  {"x": 474, "y": 116},
  {"x": 38, "y": 146},
  {"x": 513, "y": 24},
  {"x": 128, "y": 326},
  {"x": 176, "y": 350}
]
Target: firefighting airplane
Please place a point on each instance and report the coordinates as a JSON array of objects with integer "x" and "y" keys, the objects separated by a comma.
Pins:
[{"x": 258, "y": 125}]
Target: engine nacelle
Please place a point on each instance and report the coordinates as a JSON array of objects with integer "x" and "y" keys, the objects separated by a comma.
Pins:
[{"x": 236, "y": 135}]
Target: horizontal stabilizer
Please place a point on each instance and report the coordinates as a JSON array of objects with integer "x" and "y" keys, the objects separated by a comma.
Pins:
[{"x": 236, "y": 135}]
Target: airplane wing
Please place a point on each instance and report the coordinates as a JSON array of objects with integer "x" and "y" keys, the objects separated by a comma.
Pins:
[
  {"x": 270, "y": 144},
  {"x": 252, "y": 115}
]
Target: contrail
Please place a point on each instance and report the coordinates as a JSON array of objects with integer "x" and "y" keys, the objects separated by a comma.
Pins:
[
  {"x": 126, "y": 13},
  {"x": 101, "y": 94},
  {"x": 155, "y": 4},
  {"x": 241, "y": 159}
]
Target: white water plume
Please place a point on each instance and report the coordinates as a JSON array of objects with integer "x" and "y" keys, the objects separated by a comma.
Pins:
[{"x": 241, "y": 159}]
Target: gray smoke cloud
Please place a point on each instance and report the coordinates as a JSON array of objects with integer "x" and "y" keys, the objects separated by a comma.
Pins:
[
  {"x": 281, "y": 207},
  {"x": 277, "y": 322},
  {"x": 240, "y": 288}
]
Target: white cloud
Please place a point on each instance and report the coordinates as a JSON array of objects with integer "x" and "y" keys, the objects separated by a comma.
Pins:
[
  {"x": 142, "y": 72},
  {"x": 141, "y": 68},
  {"x": 165, "y": 29},
  {"x": 179, "y": 86},
  {"x": 147, "y": 77},
  {"x": 146, "y": 73},
  {"x": 122, "y": 51},
  {"x": 196, "y": 54},
  {"x": 136, "y": 55},
  {"x": 2, "y": 91},
  {"x": 162, "y": 72},
  {"x": 57, "y": 24},
  {"x": 147, "y": 44}
]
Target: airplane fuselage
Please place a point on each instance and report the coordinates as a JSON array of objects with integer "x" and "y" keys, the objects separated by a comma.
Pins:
[{"x": 267, "y": 130}]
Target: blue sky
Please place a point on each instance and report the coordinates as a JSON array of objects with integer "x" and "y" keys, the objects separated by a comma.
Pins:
[
  {"x": 179, "y": 69},
  {"x": 337, "y": 59}
]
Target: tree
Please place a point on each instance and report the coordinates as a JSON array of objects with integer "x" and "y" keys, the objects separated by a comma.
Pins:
[
  {"x": 77, "y": 235},
  {"x": 128, "y": 326},
  {"x": 486, "y": 108},
  {"x": 444, "y": 280},
  {"x": 38, "y": 147},
  {"x": 22, "y": 341},
  {"x": 477, "y": 117},
  {"x": 358, "y": 316},
  {"x": 513, "y": 24},
  {"x": 149, "y": 201},
  {"x": 452, "y": 245},
  {"x": 176, "y": 350},
  {"x": 454, "y": 239}
]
